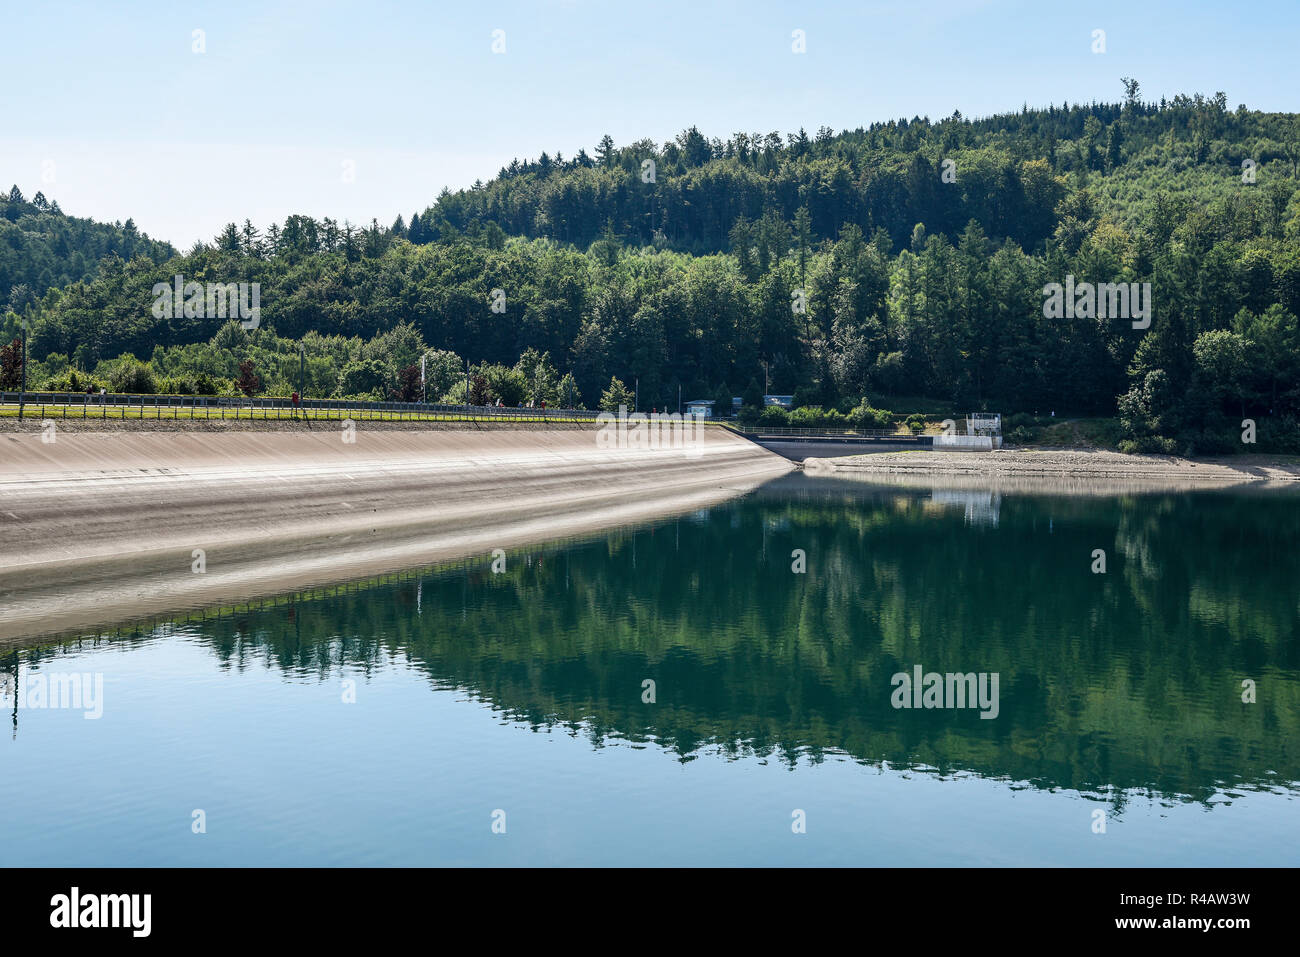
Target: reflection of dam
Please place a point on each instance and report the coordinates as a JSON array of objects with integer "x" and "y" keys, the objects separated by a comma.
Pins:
[{"x": 981, "y": 507}]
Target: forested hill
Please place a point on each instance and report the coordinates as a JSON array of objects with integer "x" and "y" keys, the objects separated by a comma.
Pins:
[
  {"x": 900, "y": 260},
  {"x": 42, "y": 248},
  {"x": 885, "y": 176}
]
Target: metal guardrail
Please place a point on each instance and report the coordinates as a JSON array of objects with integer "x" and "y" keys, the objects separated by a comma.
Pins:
[{"x": 240, "y": 405}]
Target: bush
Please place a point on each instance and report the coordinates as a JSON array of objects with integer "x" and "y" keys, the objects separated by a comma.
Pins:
[
  {"x": 863, "y": 416},
  {"x": 132, "y": 377},
  {"x": 808, "y": 417},
  {"x": 774, "y": 416},
  {"x": 916, "y": 423},
  {"x": 1020, "y": 435},
  {"x": 363, "y": 379},
  {"x": 1214, "y": 442},
  {"x": 1150, "y": 445},
  {"x": 72, "y": 381},
  {"x": 178, "y": 385},
  {"x": 1280, "y": 436}
]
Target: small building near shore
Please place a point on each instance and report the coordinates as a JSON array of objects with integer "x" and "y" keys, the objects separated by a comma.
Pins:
[
  {"x": 700, "y": 407},
  {"x": 783, "y": 401}
]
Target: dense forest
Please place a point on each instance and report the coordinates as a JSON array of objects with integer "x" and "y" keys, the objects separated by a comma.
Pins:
[
  {"x": 42, "y": 248},
  {"x": 905, "y": 259}
]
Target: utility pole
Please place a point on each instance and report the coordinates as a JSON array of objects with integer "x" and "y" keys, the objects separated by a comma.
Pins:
[
  {"x": 636, "y": 400},
  {"x": 302, "y": 370},
  {"x": 424, "y": 384},
  {"x": 679, "y": 398}
]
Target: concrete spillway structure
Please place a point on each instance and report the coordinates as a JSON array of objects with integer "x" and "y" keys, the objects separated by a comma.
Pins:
[
  {"x": 99, "y": 527},
  {"x": 798, "y": 448}
]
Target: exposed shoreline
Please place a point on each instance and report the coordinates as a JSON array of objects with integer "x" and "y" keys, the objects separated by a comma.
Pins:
[
  {"x": 1082, "y": 469},
  {"x": 100, "y": 527}
]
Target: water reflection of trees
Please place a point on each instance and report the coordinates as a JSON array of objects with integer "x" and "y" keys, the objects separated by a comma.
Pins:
[{"x": 1127, "y": 680}]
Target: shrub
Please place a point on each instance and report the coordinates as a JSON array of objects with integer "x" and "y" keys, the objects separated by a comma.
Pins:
[
  {"x": 179, "y": 385},
  {"x": 71, "y": 381},
  {"x": 774, "y": 416},
  {"x": 1214, "y": 442},
  {"x": 132, "y": 376},
  {"x": 362, "y": 378},
  {"x": 249, "y": 381},
  {"x": 1282, "y": 435},
  {"x": 863, "y": 416},
  {"x": 1152, "y": 444},
  {"x": 808, "y": 417}
]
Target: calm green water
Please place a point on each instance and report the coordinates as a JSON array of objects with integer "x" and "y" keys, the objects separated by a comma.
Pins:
[{"x": 523, "y": 692}]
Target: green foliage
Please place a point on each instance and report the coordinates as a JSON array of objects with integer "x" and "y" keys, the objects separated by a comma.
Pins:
[
  {"x": 1155, "y": 445},
  {"x": 442, "y": 370},
  {"x": 133, "y": 377},
  {"x": 903, "y": 283},
  {"x": 863, "y": 416},
  {"x": 815, "y": 417},
  {"x": 43, "y": 249},
  {"x": 616, "y": 395},
  {"x": 364, "y": 379}
]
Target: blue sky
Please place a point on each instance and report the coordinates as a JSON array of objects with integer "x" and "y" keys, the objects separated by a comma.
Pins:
[{"x": 108, "y": 109}]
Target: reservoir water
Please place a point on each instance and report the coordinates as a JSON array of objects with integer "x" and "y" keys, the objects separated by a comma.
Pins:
[{"x": 713, "y": 688}]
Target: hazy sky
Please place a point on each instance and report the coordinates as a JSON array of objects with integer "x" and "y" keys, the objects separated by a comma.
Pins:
[{"x": 107, "y": 108}]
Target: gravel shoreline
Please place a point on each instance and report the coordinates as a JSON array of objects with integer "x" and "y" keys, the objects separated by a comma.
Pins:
[{"x": 1063, "y": 464}]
